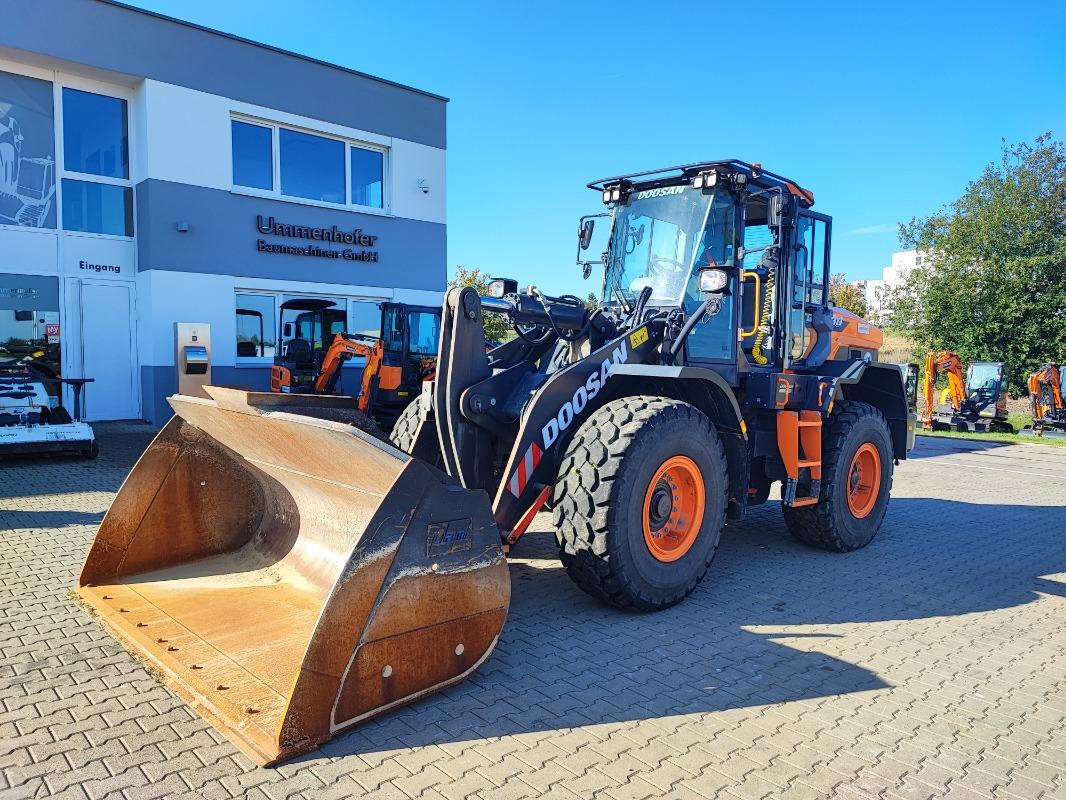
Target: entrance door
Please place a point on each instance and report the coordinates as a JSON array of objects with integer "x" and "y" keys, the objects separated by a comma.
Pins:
[{"x": 108, "y": 351}]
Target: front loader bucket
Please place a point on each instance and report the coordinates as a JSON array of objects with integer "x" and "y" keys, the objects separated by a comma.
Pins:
[{"x": 290, "y": 577}]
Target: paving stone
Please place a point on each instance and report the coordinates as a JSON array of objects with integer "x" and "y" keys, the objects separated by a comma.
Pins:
[{"x": 927, "y": 665}]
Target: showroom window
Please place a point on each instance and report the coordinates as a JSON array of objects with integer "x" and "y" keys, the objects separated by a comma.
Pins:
[
  {"x": 286, "y": 162},
  {"x": 27, "y": 152},
  {"x": 97, "y": 192},
  {"x": 366, "y": 318},
  {"x": 301, "y": 317},
  {"x": 256, "y": 326}
]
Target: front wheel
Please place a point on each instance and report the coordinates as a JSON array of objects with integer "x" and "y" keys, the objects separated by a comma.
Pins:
[
  {"x": 640, "y": 502},
  {"x": 857, "y": 463}
]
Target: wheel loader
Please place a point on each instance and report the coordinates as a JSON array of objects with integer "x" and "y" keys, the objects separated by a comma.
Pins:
[{"x": 291, "y": 576}]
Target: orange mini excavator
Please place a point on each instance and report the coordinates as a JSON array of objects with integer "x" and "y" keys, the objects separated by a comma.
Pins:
[
  {"x": 397, "y": 362},
  {"x": 975, "y": 398},
  {"x": 1045, "y": 398}
]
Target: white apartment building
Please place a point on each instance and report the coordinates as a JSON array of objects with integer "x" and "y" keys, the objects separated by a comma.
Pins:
[{"x": 879, "y": 293}]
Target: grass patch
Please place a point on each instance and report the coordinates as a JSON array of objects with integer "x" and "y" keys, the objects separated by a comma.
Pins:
[
  {"x": 898, "y": 349},
  {"x": 1004, "y": 438}
]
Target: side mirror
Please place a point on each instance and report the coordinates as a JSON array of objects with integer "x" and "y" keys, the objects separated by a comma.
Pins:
[
  {"x": 584, "y": 235},
  {"x": 287, "y": 330},
  {"x": 779, "y": 209}
]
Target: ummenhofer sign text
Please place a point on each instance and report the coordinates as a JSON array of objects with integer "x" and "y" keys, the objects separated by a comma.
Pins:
[{"x": 331, "y": 235}]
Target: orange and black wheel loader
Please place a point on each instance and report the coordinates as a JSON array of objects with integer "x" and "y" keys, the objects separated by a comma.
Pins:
[{"x": 291, "y": 577}]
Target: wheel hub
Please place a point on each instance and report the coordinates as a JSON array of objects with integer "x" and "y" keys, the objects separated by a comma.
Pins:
[
  {"x": 662, "y": 505},
  {"x": 673, "y": 508},
  {"x": 863, "y": 481}
]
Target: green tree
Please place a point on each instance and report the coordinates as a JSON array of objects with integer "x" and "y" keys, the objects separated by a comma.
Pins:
[
  {"x": 845, "y": 295},
  {"x": 497, "y": 328},
  {"x": 993, "y": 282},
  {"x": 592, "y": 302}
]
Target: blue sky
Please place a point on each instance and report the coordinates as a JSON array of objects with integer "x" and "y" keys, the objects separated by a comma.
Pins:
[{"x": 884, "y": 109}]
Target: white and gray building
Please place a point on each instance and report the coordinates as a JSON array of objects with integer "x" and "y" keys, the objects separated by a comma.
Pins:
[
  {"x": 155, "y": 172},
  {"x": 880, "y": 293}
]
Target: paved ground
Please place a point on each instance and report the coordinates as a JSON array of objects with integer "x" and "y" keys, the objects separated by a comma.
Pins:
[{"x": 931, "y": 663}]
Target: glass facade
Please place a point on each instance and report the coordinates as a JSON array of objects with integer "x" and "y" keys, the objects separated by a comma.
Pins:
[
  {"x": 97, "y": 208},
  {"x": 29, "y": 327},
  {"x": 253, "y": 157},
  {"x": 27, "y": 152},
  {"x": 95, "y": 134},
  {"x": 311, "y": 166},
  {"x": 256, "y": 326},
  {"x": 366, "y": 318}
]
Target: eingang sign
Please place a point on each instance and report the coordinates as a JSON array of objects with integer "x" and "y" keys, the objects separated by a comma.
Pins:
[{"x": 333, "y": 234}]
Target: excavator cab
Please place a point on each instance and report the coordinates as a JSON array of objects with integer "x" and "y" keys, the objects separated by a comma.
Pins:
[
  {"x": 410, "y": 336},
  {"x": 308, "y": 326}
]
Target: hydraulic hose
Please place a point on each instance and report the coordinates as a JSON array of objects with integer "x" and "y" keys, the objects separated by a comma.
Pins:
[
  {"x": 690, "y": 323},
  {"x": 767, "y": 307}
]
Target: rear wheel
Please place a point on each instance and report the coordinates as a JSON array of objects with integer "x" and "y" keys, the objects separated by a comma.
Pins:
[
  {"x": 640, "y": 502},
  {"x": 856, "y": 481},
  {"x": 404, "y": 432}
]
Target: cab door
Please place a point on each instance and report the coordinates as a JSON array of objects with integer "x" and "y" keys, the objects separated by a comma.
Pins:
[{"x": 809, "y": 326}]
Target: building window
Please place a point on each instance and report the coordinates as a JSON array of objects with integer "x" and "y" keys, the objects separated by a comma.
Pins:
[
  {"x": 256, "y": 327},
  {"x": 366, "y": 318},
  {"x": 368, "y": 176},
  {"x": 97, "y": 192},
  {"x": 311, "y": 166},
  {"x": 27, "y": 152},
  {"x": 253, "y": 159},
  {"x": 314, "y": 319},
  {"x": 291, "y": 163},
  {"x": 97, "y": 208},
  {"x": 95, "y": 134}
]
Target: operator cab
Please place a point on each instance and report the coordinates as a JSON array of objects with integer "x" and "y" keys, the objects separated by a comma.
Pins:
[
  {"x": 746, "y": 234},
  {"x": 308, "y": 326}
]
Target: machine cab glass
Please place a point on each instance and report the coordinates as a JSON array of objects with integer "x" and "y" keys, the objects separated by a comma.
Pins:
[{"x": 660, "y": 240}]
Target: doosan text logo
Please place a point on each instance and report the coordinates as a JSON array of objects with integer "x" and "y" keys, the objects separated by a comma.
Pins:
[{"x": 583, "y": 395}]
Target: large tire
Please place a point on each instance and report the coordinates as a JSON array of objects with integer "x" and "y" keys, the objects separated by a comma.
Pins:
[
  {"x": 835, "y": 522},
  {"x": 608, "y": 482},
  {"x": 402, "y": 434}
]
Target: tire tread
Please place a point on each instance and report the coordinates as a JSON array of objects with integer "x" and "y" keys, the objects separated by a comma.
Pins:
[{"x": 583, "y": 496}]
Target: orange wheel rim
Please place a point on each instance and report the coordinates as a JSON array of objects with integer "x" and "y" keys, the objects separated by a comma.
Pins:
[
  {"x": 864, "y": 481},
  {"x": 673, "y": 508}
]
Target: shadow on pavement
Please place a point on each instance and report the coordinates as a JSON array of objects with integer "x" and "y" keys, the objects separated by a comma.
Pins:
[
  {"x": 46, "y": 519},
  {"x": 930, "y": 446},
  {"x": 565, "y": 660}
]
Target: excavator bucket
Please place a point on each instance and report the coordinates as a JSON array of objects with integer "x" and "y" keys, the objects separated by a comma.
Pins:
[{"x": 290, "y": 576}]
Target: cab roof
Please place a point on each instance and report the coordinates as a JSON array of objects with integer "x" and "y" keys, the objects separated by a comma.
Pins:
[{"x": 670, "y": 176}]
